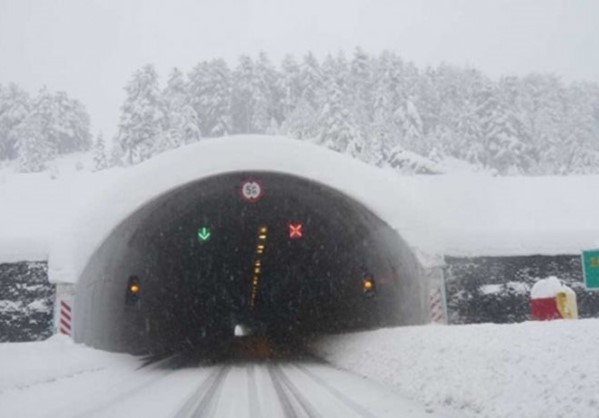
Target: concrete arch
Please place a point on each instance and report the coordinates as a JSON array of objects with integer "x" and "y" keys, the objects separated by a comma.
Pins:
[{"x": 145, "y": 226}]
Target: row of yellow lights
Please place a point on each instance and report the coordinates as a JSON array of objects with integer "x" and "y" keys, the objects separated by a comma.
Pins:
[{"x": 258, "y": 263}]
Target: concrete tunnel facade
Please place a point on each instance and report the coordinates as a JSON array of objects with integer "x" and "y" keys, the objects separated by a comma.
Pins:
[{"x": 192, "y": 288}]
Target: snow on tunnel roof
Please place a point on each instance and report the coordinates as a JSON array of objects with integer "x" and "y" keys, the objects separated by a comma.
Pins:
[
  {"x": 140, "y": 184},
  {"x": 66, "y": 219}
]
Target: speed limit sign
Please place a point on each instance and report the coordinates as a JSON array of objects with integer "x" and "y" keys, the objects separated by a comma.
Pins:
[{"x": 251, "y": 190}]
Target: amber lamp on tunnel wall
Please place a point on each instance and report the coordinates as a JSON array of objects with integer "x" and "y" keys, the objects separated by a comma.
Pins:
[
  {"x": 368, "y": 286},
  {"x": 133, "y": 291}
]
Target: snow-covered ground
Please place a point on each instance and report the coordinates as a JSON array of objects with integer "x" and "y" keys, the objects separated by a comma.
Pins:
[
  {"x": 25, "y": 365},
  {"x": 532, "y": 369},
  {"x": 58, "y": 378}
]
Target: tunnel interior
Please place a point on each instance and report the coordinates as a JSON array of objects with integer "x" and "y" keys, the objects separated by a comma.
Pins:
[{"x": 297, "y": 258}]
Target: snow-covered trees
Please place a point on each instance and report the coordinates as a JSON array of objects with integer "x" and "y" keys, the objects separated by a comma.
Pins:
[
  {"x": 141, "y": 126},
  {"x": 337, "y": 128},
  {"x": 367, "y": 106},
  {"x": 411, "y": 127},
  {"x": 33, "y": 149},
  {"x": 242, "y": 98},
  {"x": 65, "y": 122},
  {"x": 360, "y": 87},
  {"x": 100, "y": 157},
  {"x": 210, "y": 96},
  {"x": 14, "y": 107},
  {"x": 372, "y": 106},
  {"x": 40, "y": 127},
  {"x": 311, "y": 81},
  {"x": 181, "y": 124},
  {"x": 54, "y": 125},
  {"x": 303, "y": 104},
  {"x": 289, "y": 85},
  {"x": 504, "y": 146}
]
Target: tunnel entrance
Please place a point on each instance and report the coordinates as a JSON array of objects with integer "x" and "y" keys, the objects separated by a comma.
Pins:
[{"x": 293, "y": 257}]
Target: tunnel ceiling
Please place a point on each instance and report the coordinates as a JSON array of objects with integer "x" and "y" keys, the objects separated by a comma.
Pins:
[{"x": 207, "y": 259}]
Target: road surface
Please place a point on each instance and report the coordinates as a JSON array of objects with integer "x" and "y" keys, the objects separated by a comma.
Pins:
[
  {"x": 232, "y": 390},
  {"x": 180, "y": 387},
  {"x": 261, "y": 390}
]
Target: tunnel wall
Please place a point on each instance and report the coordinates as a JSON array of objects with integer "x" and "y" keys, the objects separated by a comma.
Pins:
[
  {"x": 101, "y": 293},
  {"x": 413, "y": 280}
]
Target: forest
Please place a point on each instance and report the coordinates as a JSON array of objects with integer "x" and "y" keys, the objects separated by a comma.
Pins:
[{"x": 377, "y": 108}]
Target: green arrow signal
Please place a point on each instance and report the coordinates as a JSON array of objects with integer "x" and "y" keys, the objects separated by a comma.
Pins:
[{"x": 203, "y": 234}]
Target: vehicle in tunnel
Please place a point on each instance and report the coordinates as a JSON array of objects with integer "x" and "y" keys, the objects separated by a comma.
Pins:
[{"x": 286, "y": 256}]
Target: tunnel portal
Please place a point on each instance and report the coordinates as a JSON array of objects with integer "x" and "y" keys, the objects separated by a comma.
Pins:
[{"x": 293, "y": 258}]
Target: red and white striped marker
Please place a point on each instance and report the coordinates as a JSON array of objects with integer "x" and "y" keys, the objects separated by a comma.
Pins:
[
  {"x": 437, "y": 314},
  {"x": 65, "y": 320}
]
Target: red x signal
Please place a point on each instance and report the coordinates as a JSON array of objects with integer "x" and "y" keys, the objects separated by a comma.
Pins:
[{"x": 295, "y": 231}]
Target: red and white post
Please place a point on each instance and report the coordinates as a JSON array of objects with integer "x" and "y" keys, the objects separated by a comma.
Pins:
[
  {"x": 438, "y": 303},
  {"x": 64, "y": 309}
]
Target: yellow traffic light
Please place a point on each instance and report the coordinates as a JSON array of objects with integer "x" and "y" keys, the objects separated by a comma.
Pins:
[{"x": 134, "y": 289}]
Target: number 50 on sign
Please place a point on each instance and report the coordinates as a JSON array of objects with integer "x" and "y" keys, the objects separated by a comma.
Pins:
[{"x": 251, "y": 190}]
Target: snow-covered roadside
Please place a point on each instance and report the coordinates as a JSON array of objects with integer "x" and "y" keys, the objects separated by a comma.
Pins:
[
  {"x": 533, "y": 369},
  {"x": 57, "y": 378},
  {"x": 24, "y": 365}
]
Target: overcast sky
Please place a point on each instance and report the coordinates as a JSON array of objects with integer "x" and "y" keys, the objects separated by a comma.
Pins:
[{"x": 89, "y": 48}]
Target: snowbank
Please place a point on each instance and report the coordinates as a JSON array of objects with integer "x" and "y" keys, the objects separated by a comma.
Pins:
[
  {"x": 533, "y": 369},
  {"x": 29, "y": 364},
  {"x": 64, "y": 219},
  {"x": 501, "y": 216},
  {"x": 57, "y": 378},
  {"x": 516, "y": 287},
  {"x": 36, "y": 209}
]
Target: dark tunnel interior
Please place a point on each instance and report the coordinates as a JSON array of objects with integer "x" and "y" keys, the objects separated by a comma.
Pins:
[{"x": 299, "y": 261}]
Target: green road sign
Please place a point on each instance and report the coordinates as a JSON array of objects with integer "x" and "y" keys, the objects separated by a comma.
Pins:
[
  {"x": 204, "y": 234},
  {"x": 590, "y": 268}
]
